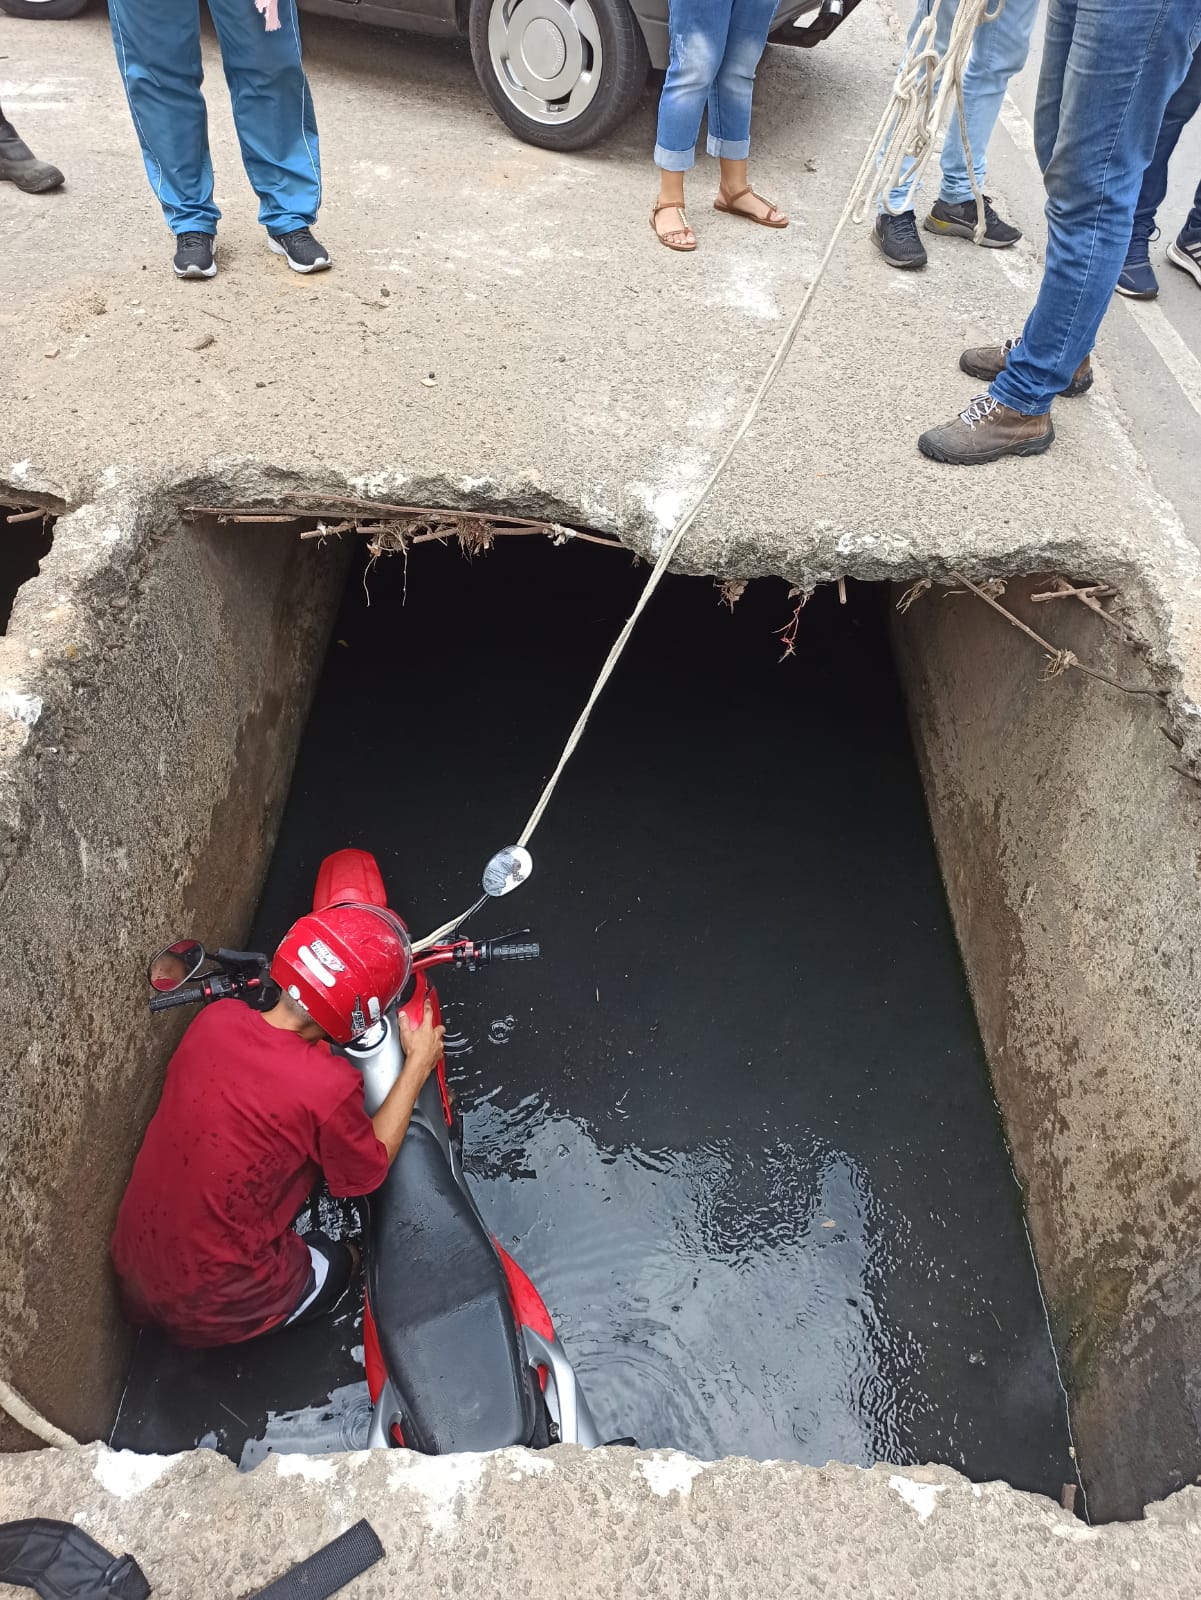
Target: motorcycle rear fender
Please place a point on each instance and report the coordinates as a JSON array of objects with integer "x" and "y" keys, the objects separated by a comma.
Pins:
[
  {"x": 349, "y": 877},
  {"x": 564, "y": 1398}
]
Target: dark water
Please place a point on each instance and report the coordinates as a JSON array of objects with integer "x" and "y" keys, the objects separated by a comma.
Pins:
[{"x": 736, "y": 1123}]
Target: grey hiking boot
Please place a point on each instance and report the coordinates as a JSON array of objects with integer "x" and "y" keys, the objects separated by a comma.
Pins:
[
  {"x": 988, "y": 361},
  {"x": 19, "y": 165},
  {"x": 985, "y": 431},
  {"x": 960, "y": 220}
]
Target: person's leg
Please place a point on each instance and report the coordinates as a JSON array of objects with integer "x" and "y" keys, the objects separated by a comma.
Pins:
[
  {"x": 698, "y": 39},
  {"x": 1137, "y": 280},
  {"x": 273, "y": 112},
  {"x": 158, "y": 53},
  {"x": 729, "y": 136},
  {"x": 1185, "y": 249},
  {"x": 1192, "y": 223},
  {"x": 900, "y": 198},
  {"x": 1123, "y": 67},
  {"x": 895, "y": 232},
  {"x": 1057, "y": 42},
  {"x": 334, "y": 1263},
  {"x": 19, "y": 165},
  {"x": 1180, "y": 110},
  {"x": 999, "y": 50}
]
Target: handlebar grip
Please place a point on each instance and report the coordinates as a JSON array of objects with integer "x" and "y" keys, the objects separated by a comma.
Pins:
[
  {"x": 508, "y": 950},
  {"x": 187, "y": 996}
]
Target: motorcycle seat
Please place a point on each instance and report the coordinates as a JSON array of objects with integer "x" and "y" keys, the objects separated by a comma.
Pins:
[{"x": 440, "y": 1301}]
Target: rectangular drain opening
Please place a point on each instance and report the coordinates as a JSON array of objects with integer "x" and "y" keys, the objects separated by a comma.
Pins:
[{"x": 26, "y": 537}]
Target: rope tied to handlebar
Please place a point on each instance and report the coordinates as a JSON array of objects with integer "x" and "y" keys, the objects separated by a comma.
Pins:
[{"x": 907, "y": 131}]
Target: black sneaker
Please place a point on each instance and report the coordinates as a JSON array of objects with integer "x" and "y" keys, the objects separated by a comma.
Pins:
[
  {"x": 195, "y": 255},
  {"x": 897, "y": 241},
  {"x": 300, "y": 249},
  {"x": 961, "y": 221},
  {"x": 1185, "y": 252}
]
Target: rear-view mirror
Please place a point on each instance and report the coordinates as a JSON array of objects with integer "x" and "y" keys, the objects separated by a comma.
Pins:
[
  {"x": 507, "y": 869},
  {"x": 175, "y": 965}
]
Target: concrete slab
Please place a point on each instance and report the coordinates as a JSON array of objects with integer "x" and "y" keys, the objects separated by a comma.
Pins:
[{"x": 610, "y": 1523}]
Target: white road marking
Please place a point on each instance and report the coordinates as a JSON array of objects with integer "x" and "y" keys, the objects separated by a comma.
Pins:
[{"x": 1170, "y": 347}]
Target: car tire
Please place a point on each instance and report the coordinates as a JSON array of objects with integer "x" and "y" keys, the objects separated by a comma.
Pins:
[
  {"x": 43, "y": 10},
  {"x": 561, "y": 74}
]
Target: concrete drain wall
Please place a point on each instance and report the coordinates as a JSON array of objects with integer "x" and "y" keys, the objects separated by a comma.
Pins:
[
  {"x": 1071, "y": 852},
  {"x": 155, "y": 693},
  {"x": 154, "y": 702}
]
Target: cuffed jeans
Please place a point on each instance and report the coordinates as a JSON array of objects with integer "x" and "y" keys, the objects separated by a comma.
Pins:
[
  {"x": 1181, "y": 109},
  {"x": 716, "y": 45},
  {"x": 999, "y": 49},
  {"x": 158, "y": 52},
  {"x": 1109, "y": 69}
]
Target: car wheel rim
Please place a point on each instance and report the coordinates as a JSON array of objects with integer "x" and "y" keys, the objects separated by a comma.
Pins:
[{"x": 546, "y": 55}]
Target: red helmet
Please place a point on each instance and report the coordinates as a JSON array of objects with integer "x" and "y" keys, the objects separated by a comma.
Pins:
[{"x": 345, "y": 965}]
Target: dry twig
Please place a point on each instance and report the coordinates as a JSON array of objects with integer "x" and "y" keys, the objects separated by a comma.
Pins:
[
  {"x": 475, "y": 530},
  {"x": 914, "y": 592},
  {"x": 1090, "y": 595},
  {"x": 788, "y": 632},
  {"x": 1057, "y": 660}
]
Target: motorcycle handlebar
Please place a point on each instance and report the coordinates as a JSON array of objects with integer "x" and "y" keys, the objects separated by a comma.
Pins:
[
  {"x": 509, "y": 950},
  {"x": 187, "y": 996}
]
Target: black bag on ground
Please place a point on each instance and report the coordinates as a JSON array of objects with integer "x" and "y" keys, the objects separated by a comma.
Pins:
[{"x": 61, "y": 1562}]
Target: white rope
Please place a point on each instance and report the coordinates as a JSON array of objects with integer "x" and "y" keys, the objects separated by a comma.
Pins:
[
  {"x": 918, "y": 108},
  {"x": 33, "y": 1421},
  {"x": 908, "y": 128}
]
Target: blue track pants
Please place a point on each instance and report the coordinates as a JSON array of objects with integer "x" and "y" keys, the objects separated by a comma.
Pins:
[{"x": 158, "y": 52}]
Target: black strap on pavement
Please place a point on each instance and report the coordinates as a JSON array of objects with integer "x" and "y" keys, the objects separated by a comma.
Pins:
[
  {"x": 329, "y": 1569},
  {"x": 61, "y": 1562}
]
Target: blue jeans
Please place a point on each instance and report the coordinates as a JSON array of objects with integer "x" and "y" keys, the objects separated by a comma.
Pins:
[
  {"x": 716, "y": 46},
  {"x": 1109, "y": 69},
  {"x": 1181, "y": 108},
  {"x": 998, "y": 51},
  {"x": 158, "y": 52}
]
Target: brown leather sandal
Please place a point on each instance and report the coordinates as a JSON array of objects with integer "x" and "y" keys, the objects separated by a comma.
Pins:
[
  {"x": 764, "y": 222},
  {"x": 671, "y": 205}
]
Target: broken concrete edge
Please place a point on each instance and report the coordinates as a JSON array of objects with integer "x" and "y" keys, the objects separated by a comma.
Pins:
[
  {"x": 106, "y": 533},
  {"x": 597, "y": 1523}
]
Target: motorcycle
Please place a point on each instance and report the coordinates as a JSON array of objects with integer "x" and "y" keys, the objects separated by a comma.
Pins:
[{"x": 459, "y": 1348}]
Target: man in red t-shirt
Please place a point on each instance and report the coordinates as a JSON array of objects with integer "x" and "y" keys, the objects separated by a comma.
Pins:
[{"x": 255, "y": 1108}]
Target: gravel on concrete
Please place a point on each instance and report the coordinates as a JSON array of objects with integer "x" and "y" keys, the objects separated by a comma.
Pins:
[{"x": 612, "y": 1524}]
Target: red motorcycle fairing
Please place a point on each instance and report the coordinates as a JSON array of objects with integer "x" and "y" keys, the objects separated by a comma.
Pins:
[
  {"x": 349, "y": 877},
  {"x": 413, "y": 1009}
]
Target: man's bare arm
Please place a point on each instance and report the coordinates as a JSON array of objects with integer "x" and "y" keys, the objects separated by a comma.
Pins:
[{"x": 422, "y": 1051}]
